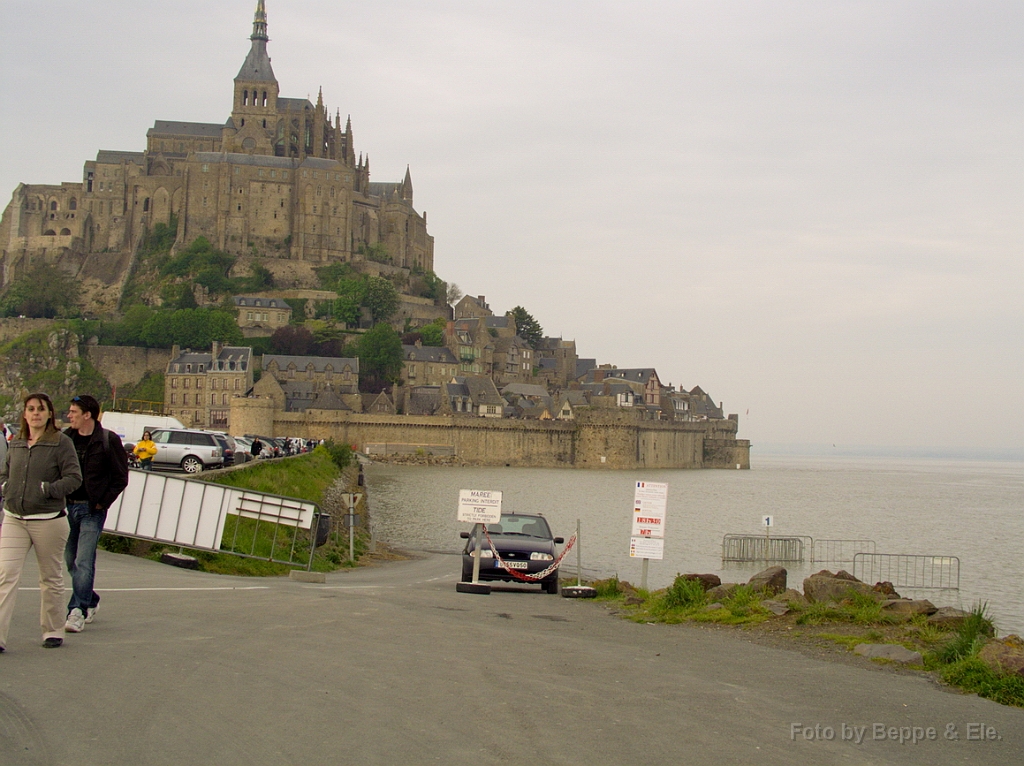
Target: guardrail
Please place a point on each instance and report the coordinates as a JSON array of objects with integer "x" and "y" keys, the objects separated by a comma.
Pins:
[
  {"x": 908, "y": 571},
  {"x": 194, "y": 514},
  {"x": 763, "y": 548},
  {"x": 839, "y": 551}
]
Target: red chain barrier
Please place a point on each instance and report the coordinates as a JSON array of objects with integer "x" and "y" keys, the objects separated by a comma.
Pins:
[{"x": 522, "y": 576}]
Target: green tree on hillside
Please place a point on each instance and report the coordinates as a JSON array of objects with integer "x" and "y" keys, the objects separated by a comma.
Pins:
[
  {"x": 43, "y": 291},
  {"x": 190, "y": 328},
  {"x": 381, "y": 298},
  {"x": 527, "y": 327},
  {"x": 380, "y": 358}
]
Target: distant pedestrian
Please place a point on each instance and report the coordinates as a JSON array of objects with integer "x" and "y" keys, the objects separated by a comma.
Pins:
[
  {"x": 40, "y": 470},
  {"x": 145, "y": 451},
  {"x": 256, "y": 448},
  {"x": 104, "y": 465}
]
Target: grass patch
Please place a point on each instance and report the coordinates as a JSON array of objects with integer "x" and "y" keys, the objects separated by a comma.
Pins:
[
  {"x": 973, "y": 675},
  {"x": 856, "y": 608},
  {"x": 608, "y": 590},
  {"x": 968, "y": 638},
  {"x": 305, "y": 477}
]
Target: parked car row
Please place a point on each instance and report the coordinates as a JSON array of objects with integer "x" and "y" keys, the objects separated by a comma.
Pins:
[{"x": 193, "y": 450}]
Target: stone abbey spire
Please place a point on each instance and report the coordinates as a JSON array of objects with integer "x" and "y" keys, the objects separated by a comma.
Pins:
[{"x": 256, "y": 67}]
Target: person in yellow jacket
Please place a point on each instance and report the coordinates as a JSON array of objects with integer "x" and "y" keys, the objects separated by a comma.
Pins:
[{"x": 145, "y": 451}]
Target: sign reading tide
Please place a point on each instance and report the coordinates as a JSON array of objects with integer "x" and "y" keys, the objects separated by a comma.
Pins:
[
  {"x": 650, "y": 504},
  {"x": 479, "y": 506}
]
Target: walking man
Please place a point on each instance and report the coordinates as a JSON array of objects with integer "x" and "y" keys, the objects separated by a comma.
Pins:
[{"x": 104, "y": 476}]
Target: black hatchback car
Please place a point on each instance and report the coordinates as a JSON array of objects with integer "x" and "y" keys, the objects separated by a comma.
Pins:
[{"x": 524, "y": 543}]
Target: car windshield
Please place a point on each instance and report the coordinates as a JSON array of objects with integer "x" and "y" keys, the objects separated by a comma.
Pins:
[{"x": 529, "y": 526}]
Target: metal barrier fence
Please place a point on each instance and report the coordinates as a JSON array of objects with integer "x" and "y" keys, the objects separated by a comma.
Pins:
[
  {"x": 763, "y": 548},
  {"x": 908, "y": 571},
  {"x": 195, "y": 514},
  {"x": 839, "y": 551}
]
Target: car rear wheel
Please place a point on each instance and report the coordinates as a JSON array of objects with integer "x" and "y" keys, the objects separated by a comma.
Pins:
[{"x": 191, "y": 464}]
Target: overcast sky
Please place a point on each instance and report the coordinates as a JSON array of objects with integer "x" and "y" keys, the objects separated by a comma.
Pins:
[{"x": 813, "y": 210}]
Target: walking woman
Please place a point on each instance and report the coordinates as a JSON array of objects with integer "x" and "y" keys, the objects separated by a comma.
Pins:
[{"x": 40, "y": 470}]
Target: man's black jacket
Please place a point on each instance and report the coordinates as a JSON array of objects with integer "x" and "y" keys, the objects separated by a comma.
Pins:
[{"x": 104, "y": 468}]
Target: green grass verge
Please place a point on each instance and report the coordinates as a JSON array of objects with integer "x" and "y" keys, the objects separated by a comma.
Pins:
[{"x": 305, "y": 477}]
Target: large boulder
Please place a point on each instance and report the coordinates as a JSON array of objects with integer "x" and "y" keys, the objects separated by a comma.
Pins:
[
  {"x": 1004, "y": 655},
  {"x": 948, "y": 617},
  {"x": 776, "y": 607},
  {"x": 825, "y": 586},
  {"x": 771, "y": 580},
  {"x": 792, "y": 596},
  {"x": 891, "y": 652},
  {"x": 721, "y": 592},
  {"x": 886, "y": 589},
  {"x": 707, "y": 581},
  {"x": 909, "y": 607}
]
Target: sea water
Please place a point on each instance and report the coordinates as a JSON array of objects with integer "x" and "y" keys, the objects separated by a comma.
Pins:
[{"x": 968, "y": 509}]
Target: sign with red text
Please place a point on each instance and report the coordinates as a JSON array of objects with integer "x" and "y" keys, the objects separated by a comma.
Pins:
[
  {"x": 479, "y": 506},
  {"x": 650, "y": 503}
]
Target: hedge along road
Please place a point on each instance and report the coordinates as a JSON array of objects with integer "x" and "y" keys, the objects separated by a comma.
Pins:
[{"x": 389, "y": 664}]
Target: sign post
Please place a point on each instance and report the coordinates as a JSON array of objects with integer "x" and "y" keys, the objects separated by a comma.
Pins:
[
  {"x": 478, "y": 507},
  {"x": 350, "y": 499},
  {"x": 768, "y": 521},
  {"x": 650, "y": 507}
]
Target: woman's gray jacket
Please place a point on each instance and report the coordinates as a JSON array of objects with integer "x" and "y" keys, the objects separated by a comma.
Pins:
[{"x": 36, "y": 480}]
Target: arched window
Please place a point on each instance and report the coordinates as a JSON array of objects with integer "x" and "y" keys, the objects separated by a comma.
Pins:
[
  {"x": 145, "y": 205},
  {"x": 264, "y": 103},
  {"x": 245, "y": 98},
  {"x": 53, "y": 205},
  {"x": 65, "y": 232},
  {"x": 73, "y": 204}
]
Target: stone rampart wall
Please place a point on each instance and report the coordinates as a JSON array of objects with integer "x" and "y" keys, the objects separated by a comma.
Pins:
[
  {"x": 601, "y": 439},
  {"x": 123, "y": 365},
  {"x": 12, "y": 327}
]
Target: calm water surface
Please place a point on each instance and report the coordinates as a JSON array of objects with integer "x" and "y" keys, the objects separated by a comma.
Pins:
[{"x": 973, "y": 510}]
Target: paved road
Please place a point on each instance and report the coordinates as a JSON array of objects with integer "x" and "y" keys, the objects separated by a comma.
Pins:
[{"x": 390, "y": 665}]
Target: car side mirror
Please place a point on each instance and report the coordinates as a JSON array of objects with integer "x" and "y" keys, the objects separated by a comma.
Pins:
[
  {"x": 464, "y": 535},
  {"x": 559, "y": 540}
]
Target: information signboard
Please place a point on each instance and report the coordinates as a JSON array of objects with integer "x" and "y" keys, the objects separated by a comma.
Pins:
[
  {"x": 650, "y": 502},
  {"x": 646, "y": 548},
  {"x": 479, "y": 506}
]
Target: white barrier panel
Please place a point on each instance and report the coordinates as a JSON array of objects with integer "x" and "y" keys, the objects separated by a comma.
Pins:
[{"x": 192, "y": 513}]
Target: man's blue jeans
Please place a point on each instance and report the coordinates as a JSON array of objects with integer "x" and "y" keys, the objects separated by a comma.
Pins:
[{"x": 80, "y": 554}]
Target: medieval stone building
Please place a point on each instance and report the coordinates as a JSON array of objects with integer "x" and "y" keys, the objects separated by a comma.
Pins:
[{"x": 280, "y": 178}]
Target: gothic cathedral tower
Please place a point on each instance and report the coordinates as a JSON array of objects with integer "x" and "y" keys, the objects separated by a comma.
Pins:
[{"x": 254, "y": 110}]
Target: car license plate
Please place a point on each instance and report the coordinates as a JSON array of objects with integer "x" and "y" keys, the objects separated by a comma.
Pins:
[{"x": 513, "y": 565}]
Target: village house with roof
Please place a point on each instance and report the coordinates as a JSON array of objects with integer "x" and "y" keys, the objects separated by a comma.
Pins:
[
  {"x": 428, "y": 365},
  {"x": 259, "y": 317},
  {"x": 198, "y": 386},
  {"x": 300, "y": 383}
]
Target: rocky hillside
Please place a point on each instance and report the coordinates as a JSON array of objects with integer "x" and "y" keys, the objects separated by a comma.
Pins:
[{"x": 46, "y": 360}]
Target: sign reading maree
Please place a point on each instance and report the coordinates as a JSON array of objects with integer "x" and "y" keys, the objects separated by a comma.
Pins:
[
  {"x": 646, "y": 548},
  {"x": 649, "y": 508},
  {"x": 479, "y": 506}
]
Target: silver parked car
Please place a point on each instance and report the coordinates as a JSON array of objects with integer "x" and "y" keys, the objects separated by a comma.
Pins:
[{"x": 189, "y": 449}]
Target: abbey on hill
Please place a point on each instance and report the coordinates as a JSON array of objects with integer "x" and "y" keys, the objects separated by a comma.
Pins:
[{"x": 278, "y": 178}]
